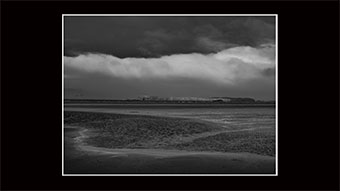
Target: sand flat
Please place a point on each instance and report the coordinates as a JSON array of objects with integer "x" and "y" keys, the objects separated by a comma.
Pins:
[{"x": 85, "y": 159}]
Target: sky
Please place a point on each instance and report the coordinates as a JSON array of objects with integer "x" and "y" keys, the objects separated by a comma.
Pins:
[{"x": 126, "y": 57}]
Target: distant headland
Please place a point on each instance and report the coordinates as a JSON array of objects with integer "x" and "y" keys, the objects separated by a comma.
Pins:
[{"x": 173, "y": 100}]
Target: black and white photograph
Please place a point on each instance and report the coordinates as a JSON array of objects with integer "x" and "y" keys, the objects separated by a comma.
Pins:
[{"x": 164, "y": 94}]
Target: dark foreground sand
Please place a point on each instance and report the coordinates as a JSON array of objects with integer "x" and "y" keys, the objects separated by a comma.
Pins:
[{"x": 81, "y": 158}]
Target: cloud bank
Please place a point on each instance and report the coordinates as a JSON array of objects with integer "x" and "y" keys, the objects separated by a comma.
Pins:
[{"x": 225, "y": 67}]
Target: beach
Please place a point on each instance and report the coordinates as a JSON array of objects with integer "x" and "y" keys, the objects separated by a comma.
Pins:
[{"x": 116, "y": 143}]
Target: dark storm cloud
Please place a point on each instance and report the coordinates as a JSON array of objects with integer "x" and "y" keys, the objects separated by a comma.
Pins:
[{"x": 156, "y": 36}]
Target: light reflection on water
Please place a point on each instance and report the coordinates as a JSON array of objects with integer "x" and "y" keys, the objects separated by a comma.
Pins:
[
  {"x": 233, "y": 117},
  {"x": 229, "y": 117}
]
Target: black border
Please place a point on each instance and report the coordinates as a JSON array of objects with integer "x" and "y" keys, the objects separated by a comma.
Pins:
[{"x": 308, "y": 95}]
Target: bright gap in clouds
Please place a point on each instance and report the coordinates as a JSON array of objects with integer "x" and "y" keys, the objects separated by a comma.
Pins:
[{"x": 224, "y": 67}]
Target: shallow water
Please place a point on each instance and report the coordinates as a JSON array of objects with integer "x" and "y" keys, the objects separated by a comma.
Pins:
[{"x": 236, "y": 117}]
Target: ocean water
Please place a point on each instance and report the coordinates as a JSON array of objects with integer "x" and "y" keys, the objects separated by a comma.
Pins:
[{"x": 234, "y": 117}]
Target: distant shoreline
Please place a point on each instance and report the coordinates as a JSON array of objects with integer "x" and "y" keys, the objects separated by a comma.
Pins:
[
  {"x": 94, "y": 103},
  {"x": 231, "y": 101}
]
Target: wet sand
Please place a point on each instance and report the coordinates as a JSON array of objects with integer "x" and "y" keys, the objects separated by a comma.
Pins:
[{"x": 84, "y": 159}]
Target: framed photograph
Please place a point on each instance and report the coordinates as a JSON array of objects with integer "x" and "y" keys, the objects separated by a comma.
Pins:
[{"x": 169, "y": 94}]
